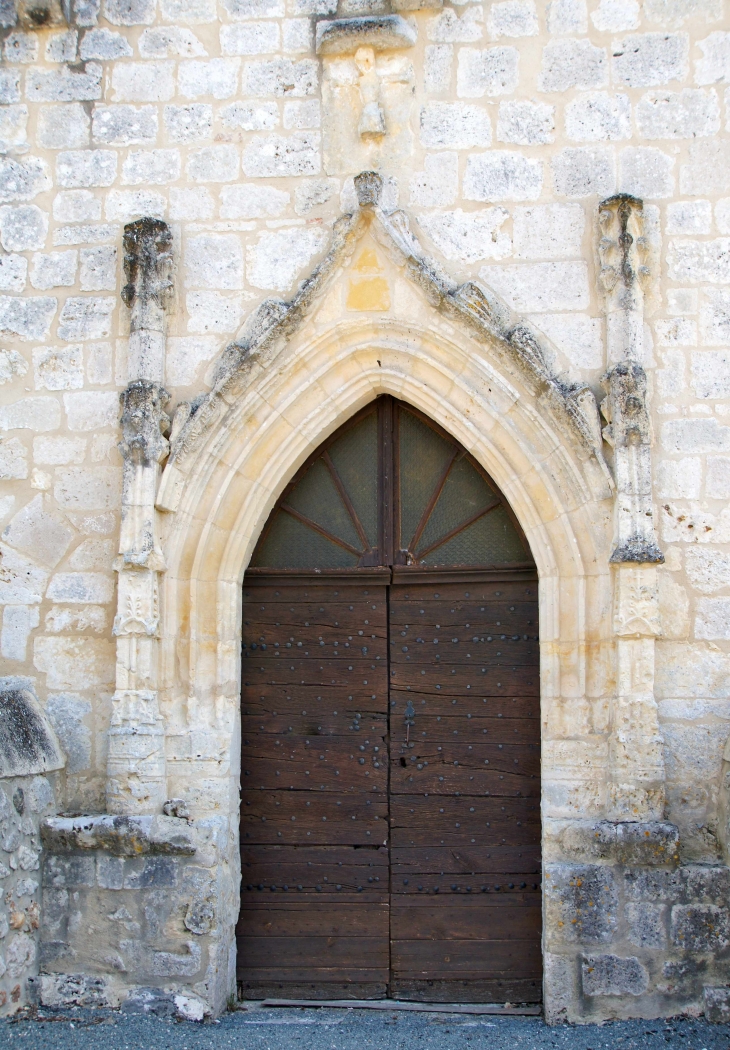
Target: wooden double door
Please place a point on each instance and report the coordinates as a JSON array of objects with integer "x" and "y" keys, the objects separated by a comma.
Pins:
[{"x": 390, "y": 779}]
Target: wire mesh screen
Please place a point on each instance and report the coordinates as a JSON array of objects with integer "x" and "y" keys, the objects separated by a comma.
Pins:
[{"x": 449, "y": 513}]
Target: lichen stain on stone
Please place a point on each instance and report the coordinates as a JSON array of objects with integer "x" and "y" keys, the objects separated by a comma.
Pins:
[{"x": 27, "y": 742}]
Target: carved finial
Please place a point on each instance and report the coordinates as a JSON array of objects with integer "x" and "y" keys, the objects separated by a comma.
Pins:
[
  {"x": 368, "y": 186},
  {"x": 147, "y": 262}
]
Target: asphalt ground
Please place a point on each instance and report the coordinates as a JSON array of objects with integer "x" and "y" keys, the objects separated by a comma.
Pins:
[{"x": 324, "y": 1029}]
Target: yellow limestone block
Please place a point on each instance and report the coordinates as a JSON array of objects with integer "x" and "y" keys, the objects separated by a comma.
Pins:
[{"x": 367, "y": 288}]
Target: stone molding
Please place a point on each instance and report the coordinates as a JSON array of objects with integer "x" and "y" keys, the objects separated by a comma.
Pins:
[
  {"x": 120, "y": 836},
  {"x": 343, "y": 36}
]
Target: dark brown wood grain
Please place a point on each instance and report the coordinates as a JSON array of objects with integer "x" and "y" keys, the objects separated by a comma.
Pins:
[
  {"x": 390, "y": 781},
  {"x": 465, "y": 788},
  {"x": 314, "y": 775}
]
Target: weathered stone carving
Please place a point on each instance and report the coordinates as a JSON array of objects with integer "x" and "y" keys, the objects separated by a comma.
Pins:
[
  {"x": 629, "y": 432},
  {"x": 148, "y": 268},
  {"x": 636, "y": 791},
  {"x": 369, "y": 188},
  {"x": 479, "y": 309},
  {"x": 372, "y": 115},
  {"x": 143, "y": 447},
  {"x": 343, "y": 36},
  {"x": 136, "y": 763},
  {"x": 622, "y": 250}
]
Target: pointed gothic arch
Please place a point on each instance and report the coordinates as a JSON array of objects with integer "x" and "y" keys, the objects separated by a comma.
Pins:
[{"x": 297, "y": 372}]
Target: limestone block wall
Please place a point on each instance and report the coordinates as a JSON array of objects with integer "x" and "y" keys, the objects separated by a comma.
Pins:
[
  {"x": 506, "y": 123},
  {"x": 24, "y": 802}
]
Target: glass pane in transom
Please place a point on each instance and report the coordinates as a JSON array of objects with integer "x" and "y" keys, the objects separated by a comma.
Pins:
[
  {"x": 424, "y": 455},
  {"x": 492, "y": 540},
  {"x": 354, "y": 456},
  {"x": 289, "y": 544},
  {"x": 316, "y": 497},
  {"x": 464, "y": 494}
]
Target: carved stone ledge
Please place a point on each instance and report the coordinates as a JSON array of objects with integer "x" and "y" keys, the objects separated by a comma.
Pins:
[
  {"x": 343, "y": 36},
  {"x": 122, "y": 836},
  {"x": 638, "y": 550}
]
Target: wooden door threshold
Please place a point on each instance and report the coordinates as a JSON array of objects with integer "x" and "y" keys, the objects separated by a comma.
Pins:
[{"x": 498, "y": 1009}]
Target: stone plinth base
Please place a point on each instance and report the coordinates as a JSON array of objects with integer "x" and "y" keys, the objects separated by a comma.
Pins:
[
  {"x": 630, "y": 932},
  {"x": 136, "y": 910}
]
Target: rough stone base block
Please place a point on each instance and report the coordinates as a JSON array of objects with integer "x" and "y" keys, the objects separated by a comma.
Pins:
[
  {"x": 71, "y": 989},
  {"x": 717, "y": 1005},
  {"x": 137, "y": 911},
  {"x": 629, "y": 941}
]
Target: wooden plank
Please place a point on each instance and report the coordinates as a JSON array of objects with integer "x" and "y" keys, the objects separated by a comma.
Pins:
[
  {"x": 314, "y": 703},
  {"x": 287, "y": 670},
  {"x": 466, "y": 1009},
  {"x": 311, "y": 975},
  {"x": 319, "y": 869},
  {"x": 469, "y": 960},
  {"x": 355, "y": 631},
  {"x": 319, "y": 818},
  {"x": 305, "y": 990},
  {"x": 320, "y": 722},
  {"x": 483, "y": 680},
  {"x": 467, "y": 726},
  {"x": 476, "y": 703},
  {"x": 417, "y": 811},
  {"x": 313, "y": 916},
  {"x": 451, "y": 651},
  {"x": 341, "y": 773},
  {"x": 442, "y": 751},
  {"x": 451, "y": 920},
  {"x": 472, "y": 864},
  {"x": 289, "y": 952},
  {"x": 446, "y": 780},
  {"x": 505, "y": 990}
]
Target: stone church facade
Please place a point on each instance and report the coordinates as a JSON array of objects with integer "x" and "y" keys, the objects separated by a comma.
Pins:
[{"x": 228, "y": 227}]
